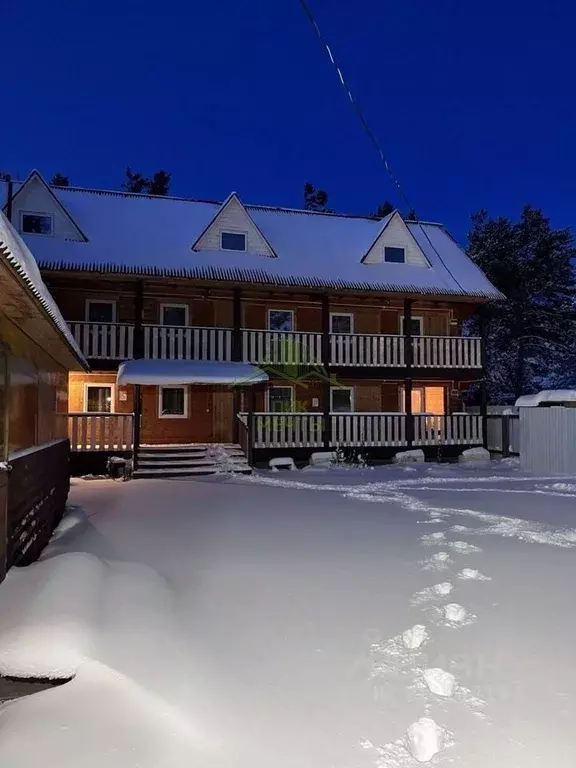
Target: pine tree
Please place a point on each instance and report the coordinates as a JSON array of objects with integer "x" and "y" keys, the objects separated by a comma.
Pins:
[
  {"x": 529, "y": 333},
  {"x": 315, "y": 199},
  {"x": 135, "y": 181},
  {"x": 160, "y": 183},
  {"x": 411, "y": 215},
  {"x": 59, "y": 180},
  {"x": 384, "y": 209}
]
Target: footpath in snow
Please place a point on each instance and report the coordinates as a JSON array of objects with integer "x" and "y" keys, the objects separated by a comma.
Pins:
[{"x": 393, "y": 618}]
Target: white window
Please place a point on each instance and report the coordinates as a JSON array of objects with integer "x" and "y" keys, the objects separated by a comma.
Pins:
[
  {"x": 416, "y": 324},
  {"x": 173, "y": 402},
  {"x": 341, "y": 399},
  {"x": 36, "y": 223},
  {"x": 394, "y": 255},
  {"x": 341, "y": 322},
  {"x": 233, "y": 241},
  {"x": 100, "y": 311},
  {"x": 99, "y": 398},
  {"x": 280, "y": 320},
  {"x": 174, "y": 314},
  {"x": 281, "y": 399}
]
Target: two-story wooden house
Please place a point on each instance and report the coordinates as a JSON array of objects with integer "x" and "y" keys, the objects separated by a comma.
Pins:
[{"x": 284, "y": 331}]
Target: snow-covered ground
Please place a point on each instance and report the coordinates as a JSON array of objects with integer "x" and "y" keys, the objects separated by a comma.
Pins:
[{"x": 317, "y": 619}]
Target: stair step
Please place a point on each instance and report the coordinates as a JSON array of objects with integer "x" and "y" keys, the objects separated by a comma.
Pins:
[
  {"x": 186, "y": 472},
  {"x": 175, "y": 463},
  {"x": 175, "y": 456}
]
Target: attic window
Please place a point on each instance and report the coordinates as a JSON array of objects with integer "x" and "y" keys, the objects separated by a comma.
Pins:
[
  {"x": 233, "y": 241},
  {"x": 36, "y": 223},
  {"x": 394, "y": 255}
]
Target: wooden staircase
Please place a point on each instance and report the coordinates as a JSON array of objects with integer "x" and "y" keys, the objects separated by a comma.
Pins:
[{"x": 162, "y": 461}]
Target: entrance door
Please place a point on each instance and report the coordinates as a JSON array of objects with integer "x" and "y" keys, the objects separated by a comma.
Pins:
[{"x": 201, "y": 415}]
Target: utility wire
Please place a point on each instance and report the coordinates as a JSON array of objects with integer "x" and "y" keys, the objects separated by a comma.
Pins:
[{"x": 371, "y": 135}]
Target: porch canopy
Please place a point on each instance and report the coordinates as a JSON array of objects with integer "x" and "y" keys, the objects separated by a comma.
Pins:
[{"x": 175, "y": 372}]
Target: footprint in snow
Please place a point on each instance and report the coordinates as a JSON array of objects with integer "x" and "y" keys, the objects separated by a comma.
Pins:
[
  {"x": 471, "y": 574},
  {"x": 463, "y": 548},
  {"x": 432, "y": 539},
  {"x": 437, "y": 562},
  {"x": 436, "y": 592}
]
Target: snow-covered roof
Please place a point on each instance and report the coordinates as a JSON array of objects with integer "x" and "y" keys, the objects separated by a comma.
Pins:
[
  {"x": 547, "y": 396},
  {"x": 177, "y": 372},
  {"x": 148, "y": 235},
  {"x": 18, "y": 255}
]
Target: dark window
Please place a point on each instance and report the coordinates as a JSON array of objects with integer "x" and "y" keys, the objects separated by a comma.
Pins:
[
  {"x": 233, "y": 241},
  {"x": 341, "y": 323},
  {"x": 341, "y": 400},
  {"x": 394, "y": 255},
  {"x": 173, "y": 315},
  {"x": 280, "y": 399},
  {"x": 99, "y": 399},
  {"x": 36, "y": 224},
  {"x": 280, "y": 320},
  {"x": 100, "y": 312},
  {"x": 415, "y": 326},
  {"x": 173, "y": 401}
]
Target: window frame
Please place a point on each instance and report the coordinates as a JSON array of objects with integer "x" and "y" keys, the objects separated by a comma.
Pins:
[
  {"x": 402, "y": 399},
  {"x": 99, "y": 301},
  {"x": 173, "y": 305},
  {"x": 161, "y": 389},
  {"x": 420, "y": 319},
  {"x": 37, "y": 213},
  {"x": 93, "y": 385},
  {"x": 280, "y": 386},
  {"x": 352, "y": 400},
  {"x": 293, "y": 323},
  {"x": 396, "y": 248},
  {"x": 234, "y": 232},
  {"x": 342, "y": 314}
]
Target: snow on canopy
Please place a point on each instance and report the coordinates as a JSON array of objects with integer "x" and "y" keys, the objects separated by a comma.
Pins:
[
  {"x": 16, "y": 252},
  {"x": 547, "y": 396},
  {"x": 147, "y": 235},
  {"x": 176, "y": 372}
]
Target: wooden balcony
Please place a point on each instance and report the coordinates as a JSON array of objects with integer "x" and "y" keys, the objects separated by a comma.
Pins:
[
  {"x": 368, "y": 430},
  {"x": 116, "y": 341}
]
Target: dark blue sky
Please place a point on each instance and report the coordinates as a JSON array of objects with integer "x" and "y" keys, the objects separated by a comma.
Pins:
[{"x": 473, "y": 103}]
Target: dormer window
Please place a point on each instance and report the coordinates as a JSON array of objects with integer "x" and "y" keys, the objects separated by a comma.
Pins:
[
  {"x": 233, "y": 241},
  {"x": 36, "y": 223},
  {"x": 394, "y": 255}
]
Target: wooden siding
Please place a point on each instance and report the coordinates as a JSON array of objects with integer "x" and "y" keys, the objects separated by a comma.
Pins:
[
  {"x": 35, "y": 198},
  {"x": 233, "y": 218},
  {"x": 397, "y": 235}
]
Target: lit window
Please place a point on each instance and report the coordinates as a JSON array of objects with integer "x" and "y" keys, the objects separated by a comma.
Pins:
[
  {"x": 341, "y": 323},
  {"x": 280, "y": 320},
  {"x": 342, "y": 400},
  {"x": 173, "y": 402},
  {"x": 36, "y": 223},
  {"x": 98, "y": 399},
  {"x": 280, "y": 399},
  {"x": 100, "y": 311},
  {"x": 394, "y": 255},
  {"x": 174, "y": 314},
  {"x": 232, "y": 241}
]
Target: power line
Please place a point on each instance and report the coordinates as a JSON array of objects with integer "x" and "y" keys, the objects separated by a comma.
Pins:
[{"x": 371, "y": 135}]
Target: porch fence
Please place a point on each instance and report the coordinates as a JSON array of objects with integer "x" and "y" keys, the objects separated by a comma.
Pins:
[{"x": 100, "y": 431}]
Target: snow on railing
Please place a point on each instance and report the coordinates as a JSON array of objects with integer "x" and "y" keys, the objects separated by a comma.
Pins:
[{"x": 100, "y": 431}]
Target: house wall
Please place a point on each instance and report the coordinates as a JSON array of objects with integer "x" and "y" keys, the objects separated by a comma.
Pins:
[
  {"x": 35, "y": 198},
  {"x": 397, "y": 235},
  {"x": 233, "y": 218}
]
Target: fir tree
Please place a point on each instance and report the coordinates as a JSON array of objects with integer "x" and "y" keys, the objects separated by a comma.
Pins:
[
  {"x": 529, "y": 333},
  {"x": 411, "y": 215},
  {"x": 314, "y": 199},
  {"x": 160, "y": 183},
  {"x": 59, "y": 180},
  {"x": 384, "y": 209},
  {"x": 135, "y": 181}
]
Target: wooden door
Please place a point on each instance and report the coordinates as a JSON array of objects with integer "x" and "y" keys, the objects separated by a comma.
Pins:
[{"x": 200, "y": 413}]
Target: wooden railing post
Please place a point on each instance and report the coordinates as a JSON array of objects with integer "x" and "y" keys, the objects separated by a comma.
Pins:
[
  {"x": 408, "y": 361},
  {"x": 138, "y": 320},
  {"x": 326, "y": 362},
  {"x": 237, "y": 351},
  {"x": 483, "y": 381},
  {"x": 250, "y": 447}
]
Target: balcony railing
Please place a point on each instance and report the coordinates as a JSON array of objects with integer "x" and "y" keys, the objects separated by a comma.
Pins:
[
  {"x": 113, "y": 341},
  {"x": 369, "y": 430},
  {"x": 100, "y": 431}
]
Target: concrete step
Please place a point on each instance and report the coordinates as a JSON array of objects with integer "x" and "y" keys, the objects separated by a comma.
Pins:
[{"x": 168, "y": 472}]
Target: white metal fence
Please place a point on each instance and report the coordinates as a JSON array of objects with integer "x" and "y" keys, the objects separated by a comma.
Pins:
[{"x": 548, "y": 440}]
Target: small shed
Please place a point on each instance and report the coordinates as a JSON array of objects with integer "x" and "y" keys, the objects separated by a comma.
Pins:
[{"x": 547, "y": 398}]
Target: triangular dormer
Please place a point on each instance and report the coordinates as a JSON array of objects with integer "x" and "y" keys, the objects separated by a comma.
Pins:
[
  {"x": 37, "y": 211},
  {"x": 395, "y": 244},
  {"x": 233, "y": 229}
]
